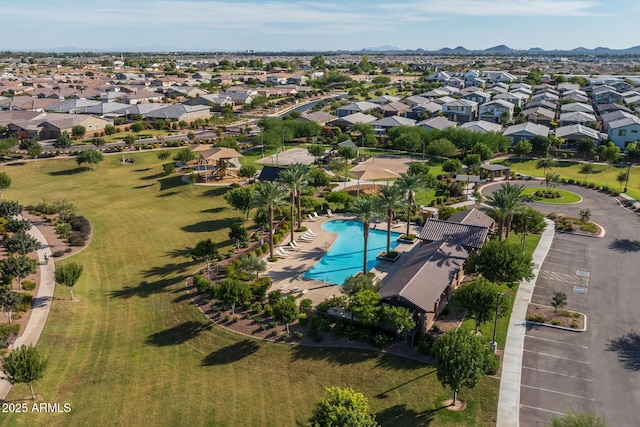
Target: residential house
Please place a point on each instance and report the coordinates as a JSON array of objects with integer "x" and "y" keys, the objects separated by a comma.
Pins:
[
  {"x": 438, "y": 123},
  {"x": 179, "y": 112},
  {"x": 443, "y": 100},
  {"x": 461, "y": 110},
  {"x": 143, "y": 95},
  {"x": 319, "y": 117},
  {"x": 215, "y": 101},
  {"x": 394, "y": 109},
  {"x": 298, "y": 80},
  {"x": 478, "y": 97},
  {"x": 494, "y": 111},
  {"x": 606, "y": 108},
  {"x": 138, "y": 110},
  {"x": 624, "y": 131},
  {"x": 549, "y": 105},
  {"x": 517, "y": 99},
  {"x": 482, "y": 127},
  {"x": 605, "y": 95},
  {"x": 539, "y": 115},
  {"x": 434, "y": 93},
  {"x": 26, "y": 103},
  {"x": 415, "y": 100},
  {"x": 108, "y": 110},
  {"x": 357, "y": 107},
  {"x": 521, "y": 90},
  {"x": 382, "y": 125},
  {"x": 70, "y": 105},
  {"x": 567, "y": 86},
  {"x": 576, "y": 107},
  {"x": 573, "y": 133},
  {"x": 422, "y": 111},
  {"x": 385, "y": 99},
  {"x": 56, "y": 124},
  {"x": 528, "y": 131},
  {"x": 576, "y": 117},
  {"x": 277, "y": 80},
  {"x": 346, "y": 122}
]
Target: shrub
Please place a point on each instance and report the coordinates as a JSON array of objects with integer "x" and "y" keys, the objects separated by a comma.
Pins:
[
  {"x": 259, "y": 287},
  {"x": 574, "y": 325},
  {"x": 492, "y": 364},
  {"x": 275, "y": 296},
  {"x": 298, "y": 335},
  {"x": 25, "y": 304},
  {"x": 366, "y": 335},
  {"x": 76, "y": 240},
  {"x": 256, "y": 307},
  {"x": 268, "y": 310},
  {"x": 425, "y": 344},
  {"x": 555, "y": 322},
  {"x": 63, "y": 230},
  {"x": 351, "y": 332},
  {"x": 303, "y": 319},
  {"x": 58, "y": 254},
  {"x": 380, "y": 340},
  {"x": 285, "y": 336},
  {"x": 535, "y": 318},
  {"x": 203, "y": 285},
  {"x": 306, "y": 304},
  {"x": 6, "y": 329},
  {"x": 273, "y": 324},
  {"x": 338, "y": 329},
  {"x": 28, "y": 285}
]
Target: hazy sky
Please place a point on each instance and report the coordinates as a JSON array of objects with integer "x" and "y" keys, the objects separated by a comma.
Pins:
[{"x": 316, "y": 24}]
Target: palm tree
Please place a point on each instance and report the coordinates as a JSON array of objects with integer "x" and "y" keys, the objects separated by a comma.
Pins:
[
  {"x": 410, "y": 183},
  {"x": 545, "y": 163},
  {"x": 504, "y": 202},
  {"x": 391, "y": 198},
  {"x": 269, "y": 195},
  {"x": 302, "y": 171},
  {"x": 587, "y": 169},
  {"x": 293, "y": 179},
  {"x": 366, "y": 208}
]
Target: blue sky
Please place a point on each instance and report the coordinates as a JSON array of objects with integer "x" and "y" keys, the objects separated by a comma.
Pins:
[{"x": 316, "y": 24}]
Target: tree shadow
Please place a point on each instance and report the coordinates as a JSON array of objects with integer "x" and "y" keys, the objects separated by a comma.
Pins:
[
  {"x": 400, "y": 415},
  {"x": 153, "y": 177},
  {"x": 171, "y": 182},
  {"x": 390, "y": 361},
  {"x": 208, "y": 226},
  {"x": 215, "y": 210},
  {"x": 384, "y": 394},
  {"x": 137, "y": 187},
  {"x": 628, "y": 349},
  {"x": 215, "y": 192},
  {"x": 68, "y": 172},
  {"x": 167, "y": 194},
  {"x": 625, "y": 245},
  {"x": 340, "y": 356},
  {"x": 231, "y": 353},
  {"x": 142, "y": 170},
  {"x": 179, "y": 253},
  {"x": 178, "y": 334},
  {"x": 146, "y": 289}
]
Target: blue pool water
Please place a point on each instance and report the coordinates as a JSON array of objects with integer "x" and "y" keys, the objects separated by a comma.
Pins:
[{"x": 344, "y": 258}]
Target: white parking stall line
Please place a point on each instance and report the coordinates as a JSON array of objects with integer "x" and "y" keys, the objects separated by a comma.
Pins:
[
  {"x": 559, "y": 392},
  {"x": 556, "y": 341},
  {"x": 557, "y": 373},
  {"x": 542, "y": 409},
  {"x": 557, "y": 357}
]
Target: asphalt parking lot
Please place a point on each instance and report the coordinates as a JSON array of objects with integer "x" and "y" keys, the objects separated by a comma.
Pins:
[{"x": 556, "y": 366}]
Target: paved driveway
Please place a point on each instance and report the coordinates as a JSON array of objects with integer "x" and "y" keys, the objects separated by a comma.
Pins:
[{"x": 598, "y": 369}]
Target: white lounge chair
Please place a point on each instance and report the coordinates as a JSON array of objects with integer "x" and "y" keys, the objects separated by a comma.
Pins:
[
  {"x": 306, "y": 237},
  {"x": 310, "y": 232},
  {"x": 329, "y": 213},
  {"x": 315, "y": 215},
  {"x": 311, "y": 218},
  {"x": 281, "y": 252},
  {"x": 295, "y": 246}
]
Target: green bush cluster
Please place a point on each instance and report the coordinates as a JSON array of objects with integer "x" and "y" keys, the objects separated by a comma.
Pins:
[
  {"x": 28, "y": 285},
  {"x": 203, "y": 285}
]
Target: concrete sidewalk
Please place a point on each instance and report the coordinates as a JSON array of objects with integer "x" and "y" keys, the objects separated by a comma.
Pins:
[
  {"x": 509, "y": 399},
  {"x": 41, "y": 304}
]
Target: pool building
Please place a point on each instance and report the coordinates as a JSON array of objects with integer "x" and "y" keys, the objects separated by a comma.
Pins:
[{"x": 427, "y": 280}]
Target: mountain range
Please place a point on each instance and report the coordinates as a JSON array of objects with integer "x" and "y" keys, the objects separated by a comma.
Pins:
[{"x": 506, "y": 50}]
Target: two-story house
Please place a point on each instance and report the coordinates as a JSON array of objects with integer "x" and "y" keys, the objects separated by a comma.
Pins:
[
  {"x": 478, "y": 97},
  {"x": 460, "y": 110},
  {"x": 624, "y": 131},
  {"x": 356, "y": 107},
  {"x": 494, "y": 111}
]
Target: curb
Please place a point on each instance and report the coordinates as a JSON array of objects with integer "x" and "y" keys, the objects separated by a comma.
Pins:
[{"x": 548, "y": 325}]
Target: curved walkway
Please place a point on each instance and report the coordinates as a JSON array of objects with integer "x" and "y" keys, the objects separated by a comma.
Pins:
[{"x": 41, "y": 304}]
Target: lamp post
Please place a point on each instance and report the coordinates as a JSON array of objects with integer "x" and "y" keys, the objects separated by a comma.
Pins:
[
  {"x": 494, "y": 344},
  {"x": 626, "y": 184}
]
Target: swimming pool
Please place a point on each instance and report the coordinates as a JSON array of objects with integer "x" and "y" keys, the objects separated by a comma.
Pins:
[{"x": 344, "y": 258}]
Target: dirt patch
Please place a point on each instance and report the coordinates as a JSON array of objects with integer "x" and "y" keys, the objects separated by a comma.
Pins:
[
  {"x": 354, "y": 190},
  {"x": 460, "y": 405},
  {"x": 548, "y": 315},
  {"x": 56, "y": 243}
]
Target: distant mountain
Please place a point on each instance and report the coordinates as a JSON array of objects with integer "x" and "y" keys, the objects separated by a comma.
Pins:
[
  {"x": 499, "y": 49},
  {"x": 384, "y": 48}
]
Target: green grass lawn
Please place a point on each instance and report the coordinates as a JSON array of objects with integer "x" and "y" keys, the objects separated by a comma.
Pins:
[
  {"x": 567, "y": 196},
  {"x": 604, "y": 175},
  {"x": 133, "y": 351},
  {"x": 486, "y": 329}
]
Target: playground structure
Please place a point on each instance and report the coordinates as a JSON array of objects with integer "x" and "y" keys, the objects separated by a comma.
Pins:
[{"x": 217, "y": 164}]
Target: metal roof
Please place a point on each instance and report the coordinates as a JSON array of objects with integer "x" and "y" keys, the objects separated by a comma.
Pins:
[{"x": 472, "y": 236}]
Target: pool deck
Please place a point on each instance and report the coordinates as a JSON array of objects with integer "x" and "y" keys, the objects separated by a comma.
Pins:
[{"x": 286, "y": 273}]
